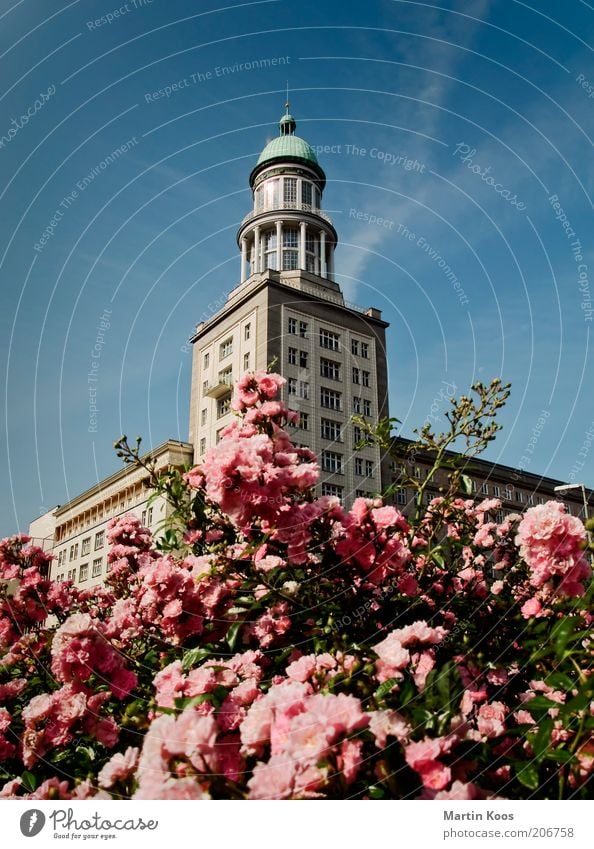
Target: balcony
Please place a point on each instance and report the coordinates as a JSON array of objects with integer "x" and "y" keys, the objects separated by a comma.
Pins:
[
  {"x": 219, "y": 389},
  {"x": 287, "y": 206}
]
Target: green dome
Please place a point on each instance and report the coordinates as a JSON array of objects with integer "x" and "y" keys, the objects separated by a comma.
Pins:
[{"x": 288, "y": 146}]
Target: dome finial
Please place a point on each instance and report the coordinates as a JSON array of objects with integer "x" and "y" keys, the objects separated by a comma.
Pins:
[{"x": 287, "y": 124}]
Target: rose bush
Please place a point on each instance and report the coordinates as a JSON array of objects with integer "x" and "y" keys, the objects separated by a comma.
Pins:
[{"x": 276, "y": 646}]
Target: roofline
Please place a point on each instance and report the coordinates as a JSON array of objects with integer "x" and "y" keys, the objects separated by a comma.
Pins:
[
  {"x": 213, "y": 320},
  {"x": 120, "y": 473},
  {"x": 519, "y": 474}
]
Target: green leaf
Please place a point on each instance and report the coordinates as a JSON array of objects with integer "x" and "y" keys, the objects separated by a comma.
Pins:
[
  {"x": 438, "y": 559},
  {"x": 376, "y": 792},
  {"x": 466, "y": 484},
  {"x": 560, "y": 681},
  {"x": 194, "y": 656},
  {"x": 385, "y": 688},
  {"x": 560, "y": 756},
  {"x": 540, "y": 703},
  {"x": 233, "y": 634},
  {"x": 29, "y": 781},
  {"x": 527, "y": 774},
  {"x": 541, "y": 740}
]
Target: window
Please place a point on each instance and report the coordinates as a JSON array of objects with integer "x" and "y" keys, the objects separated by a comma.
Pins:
[
  {"x": 332, "y": 462},
  {"x": 83, "y": 572},
  {"x": 73, "y": 551},
  {"x": 332, "y": 490},
  {"x": 306, "y": 193},
  {"x": 519, "y": 496},
  {"x": 246, "y": 362},
  {"x": 304, "y": 389},
  {"x": 365, "y": 350},
  {"x": 226, "y": 348},
  {"x": 356, "y": 404},
  {"x": 496, "y": 491},
  {"x": 149, "y": 516},
  {"x": 365, "y": 378},
  {"x": 205, "y": 387},
  {"x": 290, "y": 190},
  {"x": 331, "y": 430},
  {"x": 62, "y": 558},
  {"x": 206, "y": 360},
  {"x": 531, "y": 499},
  {"x": 203, "y": 415},
  {"x": 96, "y": 569},
  {"x": 499, "y": 517},
  {"x": 218, "y": 434},
  {"x": 303, "y": 329},
  {"x": 72, "y": 574},
  {"x": 417, "y": 472},
  {"x": 330, "y": 399},
  {"x": 270, "y": 250},
  {"x": 485, "y": 488},
  {"x": 366, "y": 407},
  {"x": 223, "y": 406},
  {"x": 358, "y": 465},
  {"x": 355, "y": 347},
  {"x": 329, "y": 340},
  {"x": 292, "y": 325},
  {"x": 226, "y": 376},
  {"x": 541, "y": 499},
  {"x": 143, "y": 518},
  {"x": 85, "y": 545},
  {"x": 246, "y": 331},
  {"x": 401, "y": 497},
  {"x": 290, "y": 252},
  {"x": 292, "y": 386},
  {"x": 303, "y": 421},
  {"x": 303, "y": 359},
  {"x": 292, "y": 356},
  {"x": 357, "y": 434},
  {"x": 356, "y": 375},
  {"x": 202, "y": 445},
  {"x": 508, "y": 493},
  {"x": 99, "y": 540},
  {"x": 330, "y": 369},
  {"x": 369, "y": 468}
]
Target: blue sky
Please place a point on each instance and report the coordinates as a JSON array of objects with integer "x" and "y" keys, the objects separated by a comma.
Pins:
[{"x": 492, "y": 100}]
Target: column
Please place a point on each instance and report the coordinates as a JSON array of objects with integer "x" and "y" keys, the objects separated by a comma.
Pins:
[
  {"x": 243, "y": 259},
  {"x": 323, "y": 269},
  {"x": 331, "y": 263},
  {"x": 257, "y": 262},
  {"x": 302, "y": 246},
  {"x": 279, "y": 245}
]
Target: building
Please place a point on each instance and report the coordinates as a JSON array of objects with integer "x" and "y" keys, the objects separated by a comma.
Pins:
[
  {"x": 516, "y": 489},
  {"x": 76, "y": 532},
  {"x": 288, "y": 313}
]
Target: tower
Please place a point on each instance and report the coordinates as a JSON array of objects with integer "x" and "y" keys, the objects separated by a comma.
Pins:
[{"x": 289, "y": 313}]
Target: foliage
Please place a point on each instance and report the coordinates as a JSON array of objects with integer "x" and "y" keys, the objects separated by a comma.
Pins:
[{"x": 275, "y": 645}]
